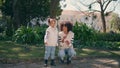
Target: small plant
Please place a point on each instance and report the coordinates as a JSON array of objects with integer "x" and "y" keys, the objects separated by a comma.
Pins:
[{"x": 29, "y": 35}]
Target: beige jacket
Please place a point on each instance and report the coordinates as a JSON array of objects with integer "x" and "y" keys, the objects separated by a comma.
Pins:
[
  {"x": 51, "y": 36},
  {"x": 69, "y": 37}
]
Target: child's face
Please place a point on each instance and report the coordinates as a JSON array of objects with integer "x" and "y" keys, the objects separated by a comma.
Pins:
[
  {"x": 52, "y": 23},
  {"x": 64, "y": 29}
]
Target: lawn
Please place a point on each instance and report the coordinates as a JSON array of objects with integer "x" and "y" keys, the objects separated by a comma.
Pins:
[{"x": 10, "y": 51}]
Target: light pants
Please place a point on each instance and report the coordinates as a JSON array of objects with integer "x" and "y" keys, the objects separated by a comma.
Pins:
[
  {"x": 68, "y": 51},
  {"x": 49, "y": 52}
]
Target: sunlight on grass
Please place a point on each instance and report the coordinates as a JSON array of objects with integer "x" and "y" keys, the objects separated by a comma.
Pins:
[
  {"x": 3, "y": 51},
  {"x": 22, "y": 55},
  {"x": 94, "y": 52},
  {"x": 16, "y": 49},
  {"x": 110, "y": 61},
  {"x": 88, "y": 50},
  {"x": 116, "y": 52},
  {"x": 83, "y": 54},
  {"x": 20, "y": 51},
  {"x": 11, "y": 56}
]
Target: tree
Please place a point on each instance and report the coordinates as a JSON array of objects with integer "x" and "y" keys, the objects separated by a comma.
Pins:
[
  {"x": 54, "y": 9},
  {"x": 115, "y": 21},
  {"x": 103, "y": 4},
  {"x": 22, "y": 11}
]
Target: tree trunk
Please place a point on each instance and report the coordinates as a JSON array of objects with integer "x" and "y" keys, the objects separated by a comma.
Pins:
[
  {"x": 16, "y": 19},
  {"x": 103, "y": 17},
  {"x": 103, "y": 21}
]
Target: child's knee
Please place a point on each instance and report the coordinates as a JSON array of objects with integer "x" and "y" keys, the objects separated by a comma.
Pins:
[{"x": 61, "y": 53}]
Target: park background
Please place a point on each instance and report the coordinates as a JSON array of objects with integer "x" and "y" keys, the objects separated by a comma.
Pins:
[{"x": 96, "y": 27}]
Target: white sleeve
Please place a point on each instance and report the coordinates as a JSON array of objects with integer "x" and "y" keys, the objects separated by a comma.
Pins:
[
  {"x": 59, "y": 37},
  {"x": 72, "y": 38},
  {"x": 46, "y": 36}
]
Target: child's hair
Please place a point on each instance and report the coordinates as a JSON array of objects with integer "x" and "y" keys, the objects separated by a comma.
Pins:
[
  {"x": 67, "y": 24},
  {"x": 50, "y": 19}
]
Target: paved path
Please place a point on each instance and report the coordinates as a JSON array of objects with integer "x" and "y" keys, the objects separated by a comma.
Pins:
[{"x": 81, "y": 63}]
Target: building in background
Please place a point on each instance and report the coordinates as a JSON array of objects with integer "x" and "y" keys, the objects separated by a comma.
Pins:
[{"x": 92, "y": 19}]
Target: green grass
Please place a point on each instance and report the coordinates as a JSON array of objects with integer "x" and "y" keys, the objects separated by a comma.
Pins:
[
  {"x": 11, "y": 50},
  {"x": 97, "y": 53}
]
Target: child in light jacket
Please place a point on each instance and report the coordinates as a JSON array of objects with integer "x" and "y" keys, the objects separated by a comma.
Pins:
[
  {"x": 66, "y": 37},
  {"x": 50, "y": 40}
]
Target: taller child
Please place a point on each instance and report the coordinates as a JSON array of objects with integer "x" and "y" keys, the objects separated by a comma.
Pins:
[{"x": 50, "y": 40}]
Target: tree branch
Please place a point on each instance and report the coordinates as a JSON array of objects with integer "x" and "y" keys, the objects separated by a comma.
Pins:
[
  {"x": 107, "y": 4},
  {"x": 96, "y": 10},
  {"x": 83, "y": 4}
]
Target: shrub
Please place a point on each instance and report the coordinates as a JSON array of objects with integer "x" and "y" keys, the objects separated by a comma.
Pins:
[
  {"x": 83, "y": 32},
  {"x": 88, "y": 37},
  {"x": 29, "y": 35},
  {"x": 113, "y": 37},
  {"x": 6, "y": 28},
  {"x": 106, "y": 45},
  {"x": 1, "y": 36}
]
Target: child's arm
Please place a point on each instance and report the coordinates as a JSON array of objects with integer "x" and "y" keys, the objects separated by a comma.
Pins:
[
  {"x": 72, "y": 38},
  {"x": 46, "y": 36},
  {"x": 60, "y": 40}
]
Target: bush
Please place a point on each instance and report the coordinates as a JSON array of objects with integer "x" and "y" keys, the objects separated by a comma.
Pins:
[
  {"x": 106, "y": 45},
  {"x": 83, "y": 32},
  {"x": 29, "y": 35},
  {"x": 88, "y": 37},
  {"x": 6, "y": 28},
  {"x": 113, "y": 37},
  {"x": 1, "y": 37}
]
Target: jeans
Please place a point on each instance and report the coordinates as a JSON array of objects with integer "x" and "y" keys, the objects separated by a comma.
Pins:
[
  {"x": 49, "y": 52},
  {"x": 68, "y": 51}
]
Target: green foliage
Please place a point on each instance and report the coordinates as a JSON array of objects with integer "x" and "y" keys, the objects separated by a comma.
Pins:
[
  {"x": 105, "y": 45},
  {"x": 87, "y": 37},
  {"x": 6, "y": 28},
  {"x": 23, "y": 34},
  {"x": 11, "y": 52},
  {"x": 113, "y": 37},
  {"x": 83, "y": 32},
  {"x": 6, "y": 7},
  {"x": 22, "y": 11},
  {"x": 29, "y": 35},
  {"x": 2, "y": 25},
  {"x": 115, "y": 22},
  {"x": 2, "y": 36}
]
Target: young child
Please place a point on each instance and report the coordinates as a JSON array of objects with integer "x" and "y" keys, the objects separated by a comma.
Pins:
[
  {"x": 66, "y": 37},
  {"x": 50, "y": 40}
]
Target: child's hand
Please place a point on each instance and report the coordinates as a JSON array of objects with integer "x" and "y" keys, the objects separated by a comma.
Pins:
[
  {"x": 67, "y": 42},
  {"x": 45, "y": 43},
  {"x": 63, "y": 38}
]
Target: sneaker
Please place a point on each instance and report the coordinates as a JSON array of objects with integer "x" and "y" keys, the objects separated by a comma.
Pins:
[
  {"x": 53, "y": 63},
  {"x": 61, "y": 61},
  {"x": 45, "y": 65}
]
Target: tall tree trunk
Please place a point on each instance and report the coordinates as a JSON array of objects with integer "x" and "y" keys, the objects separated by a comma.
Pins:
[
  {"x": 103, "y": 17},
  {"x": 103, "y": 21},
  {"x": 16, "y": 19}
]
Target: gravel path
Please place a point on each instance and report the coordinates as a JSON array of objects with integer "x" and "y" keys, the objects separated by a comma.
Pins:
[{"x": 78, "y": 63}]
